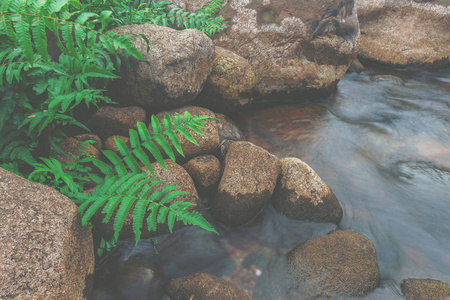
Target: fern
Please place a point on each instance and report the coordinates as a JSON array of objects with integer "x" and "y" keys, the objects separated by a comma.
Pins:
[
  {"x": 202, "y": 19},
  {"x": 44, "y": 92}
]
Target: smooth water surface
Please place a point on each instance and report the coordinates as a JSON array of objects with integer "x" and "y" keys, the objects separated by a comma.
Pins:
[{"x": 381, "y": 143}]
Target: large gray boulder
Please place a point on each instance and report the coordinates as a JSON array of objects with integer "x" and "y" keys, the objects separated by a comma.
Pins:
[
  {"x": 204, "y": 287},
  {"x": 302, "y": 194},
  {"x": 173, "y": 72},
  {"x": 293, "y": 46},
  {"x": 405, "y": 32},
  {"x": 45, "y": 253},
  {"x": 247, "y": 183}
]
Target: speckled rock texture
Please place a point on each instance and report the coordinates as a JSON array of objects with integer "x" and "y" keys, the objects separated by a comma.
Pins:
[
  {"x": 405, "y": 32},
  {"x": 339, "y": 263},
  {"x": 108, "y": 120},
  {"x": 301, "y": 194},
  {"x": 175, "y": 175},
  {"x": 72, "y": 145},
  {"x": 229, "y": 86},
  {"x": 45, "y": 253},
  {"x": 205, "y": 170},
  {"x": 295, "y": 47},
  {"x": 424, "y": 289},
  {"x": 247, "y": 183},
  {"x": 206, "y": 143},
  {"x": 202, "y": 286},
  {"x": 174, "y": 71},
  {"x": 229, "y": 133}
]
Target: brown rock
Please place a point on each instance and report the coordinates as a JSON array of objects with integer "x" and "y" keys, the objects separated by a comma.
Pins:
[
  {"x": 404, "y": 32},
  {"x": 175, "y": 175},
  {"x": 45, "y": 253},
  {"x": 205, "y": 171},
  {"x": 339, "y": 263},
  {"x": 247, "y": 183},
  {"x": 90, "y": 136},
  {"x": 173, "y": 72},
  {"x": 229, "y": 132},
  {"x": 229, "y": 86},
  {"x": 424, "y": 289},
  {"x": 110, "y": 143},
  {"x": 206, "y": 143},
  {"x": 356, "y": 67},
  {"x": 293, "y": 46},
  {"x": 72, "y": 146},
  {"x": 202, "y": 286},
  {"x": 302, "y": 194},
  {"x": 108, "y": 120}
]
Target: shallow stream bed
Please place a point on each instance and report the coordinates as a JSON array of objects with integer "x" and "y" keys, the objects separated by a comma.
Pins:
[{"x": 381, "y": 143}]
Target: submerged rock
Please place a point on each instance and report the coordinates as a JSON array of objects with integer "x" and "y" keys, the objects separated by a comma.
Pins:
[
  {"x": 404, "y": 32},
  {"x": 173, "y": 72},
  {"x": 424, "y": 289},
  {"x": 229, "y": 86},
  {"x": 247, "y": 183},
  {"x": 293, "y": 46},
  {"x": 302, "y": 194},
  {"x": 45, "y": 252},
  {"x": 203, "y": 286},
  {"x": 205, "y": 170},
  {"x": 339, "y": 263},
  {"x": 108, "y": 120}
]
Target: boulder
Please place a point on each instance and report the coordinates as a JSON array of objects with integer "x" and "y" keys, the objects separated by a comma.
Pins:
[
  {"x": 205, "y": 170},
  {"x": 404, "y": 32},
  {"x": 229, "y": 86},
  {"x": 173, "y": 72},
  {"x": 202, "y": 286},
  {"x": 110, "y": 143},
  {"x": 45, "y": 253},
  {"x": 424, "y": 289},
  {"x": 108, "y": 120},
  {"x": 247, "y": 183},
  {"x": 229, "y": 132},
  {"x": 339, "y": 263},
  {"x": 301, "y": 194},
  {"x": 175, "y": 175},
  {"x": 206, "y": 143},
  {"x": 72, "y": 145},
  {"x": 295, "y": 47}
]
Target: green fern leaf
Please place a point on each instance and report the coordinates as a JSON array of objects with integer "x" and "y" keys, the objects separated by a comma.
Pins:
[
  {"x": 40, "y": 37},
  {"x": 121, "y": 215},
  {"x": 187, "y": 135},
  {"x": 165, "y": 146},
  {"x": 175, "y": 141},
  {"x": 138, "y": 218}
]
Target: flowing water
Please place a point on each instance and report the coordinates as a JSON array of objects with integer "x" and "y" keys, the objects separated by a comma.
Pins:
[{"x": 382, "y": 144}]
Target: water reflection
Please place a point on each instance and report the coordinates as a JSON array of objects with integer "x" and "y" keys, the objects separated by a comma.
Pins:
[{"x": 382, "y": 147}]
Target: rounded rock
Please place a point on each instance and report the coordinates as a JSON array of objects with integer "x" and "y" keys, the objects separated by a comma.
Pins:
[
  {"x": 247, "y": 183},
  {"x": 301, "y": 194},
  {"x": 339, "y": 263},
  {"x": 205, "y": 171},
  {"x": 424, "y": 289}
]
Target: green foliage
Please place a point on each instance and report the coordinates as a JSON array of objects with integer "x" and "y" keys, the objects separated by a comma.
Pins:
[
  {"x": 124, "y": 184},
  {"x": 40, "y": 93},
  {"x": 202, "y": 19}
]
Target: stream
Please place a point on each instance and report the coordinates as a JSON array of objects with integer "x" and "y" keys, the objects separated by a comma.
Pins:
[{"x": 381, "y": 143}]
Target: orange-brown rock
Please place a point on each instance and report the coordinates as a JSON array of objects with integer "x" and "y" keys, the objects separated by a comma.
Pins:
[{"x": 45, "y": 253}]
